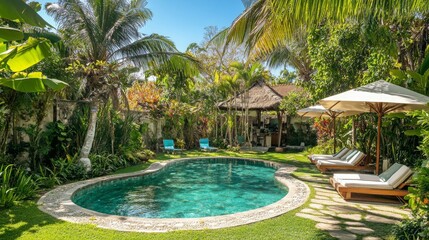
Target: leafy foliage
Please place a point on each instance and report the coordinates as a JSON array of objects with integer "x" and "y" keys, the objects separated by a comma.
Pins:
[
  {"x": 15, "y": 185},
  {"x": 415, "y": 228},
  {"x": 418, "y": 201},
  {"x": 268, "y": 24},
  {"x": 344, "y": 59},
  {"x": 294, "y": 101},
  {"x": 146, "y": 96},
  {"x": 16, "y": 58}
]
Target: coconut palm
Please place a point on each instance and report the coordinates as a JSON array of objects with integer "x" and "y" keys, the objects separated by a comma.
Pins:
[
  {"x": 267, "y": 24},
  {"x": 107, "y": 31}
]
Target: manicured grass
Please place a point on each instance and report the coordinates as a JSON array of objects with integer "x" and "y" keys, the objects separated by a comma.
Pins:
[{"x": 26, "y": 221}]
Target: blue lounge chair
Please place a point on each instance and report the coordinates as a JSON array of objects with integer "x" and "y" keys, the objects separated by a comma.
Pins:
[
  {"x": 169, "y": 146},
  {"x": 205, "y": 146}
]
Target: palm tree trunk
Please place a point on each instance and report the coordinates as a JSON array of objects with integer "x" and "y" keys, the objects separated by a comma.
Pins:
[{"x": 89, "y": 138}]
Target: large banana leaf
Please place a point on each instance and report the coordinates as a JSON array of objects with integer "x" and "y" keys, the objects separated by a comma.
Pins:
[
  {"x": 10, "y": 34},
  {"x": 34, "y": 82},
  {"x": 5, "y": 55},
  {"x": 17, "y": 10},
  {"x": 29, "y": 53}
]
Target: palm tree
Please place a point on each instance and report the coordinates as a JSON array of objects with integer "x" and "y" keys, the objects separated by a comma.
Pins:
[
  {"x": 267, "y": 24},
  {"x": 247, "y": 75},
  {"x": 107, "y": 32},
  {"x": 275, "y": 30}
]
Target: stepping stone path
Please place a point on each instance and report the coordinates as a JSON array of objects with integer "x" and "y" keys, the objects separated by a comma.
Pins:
[{"x": 347, "y": 220}]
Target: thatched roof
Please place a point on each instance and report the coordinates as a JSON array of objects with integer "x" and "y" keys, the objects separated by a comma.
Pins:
[
  {"x": 260, "y": 97},
  {"x": 285, "y": 89}
]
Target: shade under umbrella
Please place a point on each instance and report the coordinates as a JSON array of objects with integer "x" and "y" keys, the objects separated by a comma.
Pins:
[
  {"x": 318, "y": 111},
  {"x": 380, "y": 97}
]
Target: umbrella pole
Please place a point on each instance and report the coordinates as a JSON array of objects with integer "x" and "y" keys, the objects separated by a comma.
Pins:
[
  {"x": 377, "y": 163},
  {"x": 335, "y": 135}
]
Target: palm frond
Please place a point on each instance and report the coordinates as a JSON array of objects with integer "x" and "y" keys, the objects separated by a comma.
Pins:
[
  {"x": 267, "y": 23},
  {"x": 153, "y": 43}
]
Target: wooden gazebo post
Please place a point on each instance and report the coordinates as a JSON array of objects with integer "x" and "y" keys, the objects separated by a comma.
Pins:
[{"x": 279, "y": 119}]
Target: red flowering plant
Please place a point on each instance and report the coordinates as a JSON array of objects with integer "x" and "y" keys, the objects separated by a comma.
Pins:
[
  {"x": 146, "y": 96},
  {"x": 323, "y": 128}
]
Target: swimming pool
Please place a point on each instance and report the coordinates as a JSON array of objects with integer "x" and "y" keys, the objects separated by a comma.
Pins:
[
  {"x": 59, "y": 204},
  {"x": 188, "y": 189}
]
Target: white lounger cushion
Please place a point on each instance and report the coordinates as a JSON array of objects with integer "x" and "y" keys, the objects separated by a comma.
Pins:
[
  {"x": 342, "y": 153},
  {"x": 337, "y": 157},
  {"x": 321, "y": 155},
  {"x": 399, "y": 176},
  {"x": 373, "y": 181},
  {"x": 356, "y": 158},
  {"x": 348, "y": 154},
  {"x": 333, "y": 162},
  {"x": 365, "y": 184},
  {"x": 339, "y": 154},
  {"x": 350, "y": 160},
  {"x": 355, "y": 176}
]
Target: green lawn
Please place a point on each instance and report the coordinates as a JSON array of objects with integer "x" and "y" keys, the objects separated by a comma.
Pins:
[{"x": 25, "y": 221}]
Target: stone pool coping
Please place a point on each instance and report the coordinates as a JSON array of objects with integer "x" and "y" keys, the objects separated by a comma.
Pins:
[{"x": 58, "y": 203}]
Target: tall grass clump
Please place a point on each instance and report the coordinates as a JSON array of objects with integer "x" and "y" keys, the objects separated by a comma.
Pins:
[{"x": 15, "y": 185}]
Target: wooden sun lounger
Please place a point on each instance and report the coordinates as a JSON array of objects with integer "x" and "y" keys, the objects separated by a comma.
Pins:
[
  {"x": 347, "y": 192},
  {"x": 362, "y": 165},
  {"x": 313, "y": 159}
]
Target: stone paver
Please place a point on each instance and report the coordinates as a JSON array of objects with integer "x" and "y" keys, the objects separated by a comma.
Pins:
[
  {"x": 342, "y": 235},
  {"x": 371, "y": 238},
  {"x": 323, "y": 202},
  {"x": 311, "y": 211},
  {"x": 328, "y": 220},
  {"x": 316, "y": 206},
  {"x": 343, "y": 219},
  {"x": 328, "y": 227},
  {"x": 378, "y": 219},
  {"x": 387, "y": 214},
  {"x": 354, "y": 224},
  {"x": 360, "y": 230},
  {"x": 344, "y": 209},
  {"x": 320, "y": 197},
  {"x": 327, "y": 212},
  {"x": 355, "y": 217}
]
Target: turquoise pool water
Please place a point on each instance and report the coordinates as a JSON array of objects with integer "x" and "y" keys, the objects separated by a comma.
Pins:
[{"x": 187, "y": 189}]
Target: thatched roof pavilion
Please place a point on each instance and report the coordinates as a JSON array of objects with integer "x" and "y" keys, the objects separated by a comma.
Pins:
[{"x": 260, "y": 97}]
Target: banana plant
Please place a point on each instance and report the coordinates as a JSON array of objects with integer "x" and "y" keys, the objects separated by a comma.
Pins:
[
  {"x": 16, "y": 58},
  {"x": 416, "y": 80}
]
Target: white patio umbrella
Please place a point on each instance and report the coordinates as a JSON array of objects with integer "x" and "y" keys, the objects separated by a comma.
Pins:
[
  {"x": 380, "y": 97},
  {"x": 318, "y": 111}
]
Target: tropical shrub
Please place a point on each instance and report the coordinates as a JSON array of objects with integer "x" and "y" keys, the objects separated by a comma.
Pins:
[
  {"x": 43, "y": 145},
  {"x": 219, "y": 143},
  {"x": 233, "y": 148},
  {"x": 15, "y": 185},
  {"x": 104, "y": 164},
  {"x": 144, "y": 155},
  {"x": 418, "y": 200},
  {"x": 325, "y": 147},
  {"x": 415, "y": 228},
  {"x": 323, "y": 129},
  {"x": 47, "y": 178},
  {"x": 295, "y": 136}
]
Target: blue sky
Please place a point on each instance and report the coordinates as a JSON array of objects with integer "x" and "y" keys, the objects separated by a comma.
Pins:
[{"x": 183, "y": 21}]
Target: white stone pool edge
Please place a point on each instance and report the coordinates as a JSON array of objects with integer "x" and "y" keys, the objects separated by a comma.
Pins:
[{"x": 58, "y": 203}]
